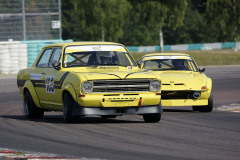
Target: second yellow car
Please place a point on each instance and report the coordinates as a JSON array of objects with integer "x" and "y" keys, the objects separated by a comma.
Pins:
[{"x": 183, "y": 83}]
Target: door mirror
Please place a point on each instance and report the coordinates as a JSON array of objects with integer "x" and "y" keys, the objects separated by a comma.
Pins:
[
  {"x": 201, "y": 70},
  {"x": 56, "y": 65}
]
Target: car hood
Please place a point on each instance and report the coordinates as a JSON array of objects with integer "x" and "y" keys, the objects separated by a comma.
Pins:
[
  {"x": 116, "y": 75},
  {"x": 181, "y": 80}
]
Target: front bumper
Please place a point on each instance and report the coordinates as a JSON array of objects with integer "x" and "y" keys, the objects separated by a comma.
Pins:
[
  {"x": 111, "y": 100},
  {"x": 82, "y": 111}
]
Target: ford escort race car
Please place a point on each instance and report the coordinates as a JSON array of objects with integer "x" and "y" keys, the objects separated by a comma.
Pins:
[
  {"x": 89, "y": 78},
  {"x": 183, "y": 83}
]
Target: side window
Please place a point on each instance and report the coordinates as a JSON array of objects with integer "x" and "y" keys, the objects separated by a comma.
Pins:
[
  {"x": 56, "y": 56},
  {"x": 43, "y": 62}
]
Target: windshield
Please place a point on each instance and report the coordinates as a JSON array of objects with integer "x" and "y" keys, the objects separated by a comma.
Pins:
[
  {"x": 170, "y": 64},
  {"x": 78, "y": 56}
]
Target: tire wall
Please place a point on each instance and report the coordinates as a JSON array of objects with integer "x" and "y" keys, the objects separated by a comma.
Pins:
[{"x": 17, "y": 55}]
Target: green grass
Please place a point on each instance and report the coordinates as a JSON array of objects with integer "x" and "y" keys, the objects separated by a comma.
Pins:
[{"x": 206, "y": 58}]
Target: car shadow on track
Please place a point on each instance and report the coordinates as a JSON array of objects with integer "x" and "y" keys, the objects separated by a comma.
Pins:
[
  {"x": 178, "y": 110},
  {"x": 76, "y": 120}
]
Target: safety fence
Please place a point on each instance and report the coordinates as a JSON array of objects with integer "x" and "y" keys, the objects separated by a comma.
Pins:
[
  {"x": 17, "y": 55},
  {"x": 184, "y": 47}
]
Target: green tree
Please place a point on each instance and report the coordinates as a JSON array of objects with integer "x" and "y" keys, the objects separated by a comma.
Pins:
[
  {"x": 226, "y": 13},
  {"x": 148, "y": 17},
  {"x": 194, "y": 25},
  {"x": 94, "y": 19}
]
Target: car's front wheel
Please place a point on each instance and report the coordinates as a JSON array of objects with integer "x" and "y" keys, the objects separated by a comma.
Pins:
[
  {"x": 209, "y": 107},
  {"x": 152, "y": 118},
  {"x": 30, "y": 109},
  {"x": 68, "y": 103}
]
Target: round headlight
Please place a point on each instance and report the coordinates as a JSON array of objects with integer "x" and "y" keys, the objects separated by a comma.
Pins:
[
  {"x": 87, "y": 87},
  {"x": 155, "y": 86}
]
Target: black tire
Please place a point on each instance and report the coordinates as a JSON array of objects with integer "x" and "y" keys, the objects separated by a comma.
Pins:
[
  {"x": 196, "y": 108},
  {"x": 108, "y": 116},
  {"x": 209, "y": 107},
  {"x": 31, "y": 111},
  {"x": 68, "y": 103},
  {"x": 152, "y": 118}
]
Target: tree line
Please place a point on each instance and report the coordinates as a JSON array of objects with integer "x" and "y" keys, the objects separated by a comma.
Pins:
[{"x": 151, "y": 22}]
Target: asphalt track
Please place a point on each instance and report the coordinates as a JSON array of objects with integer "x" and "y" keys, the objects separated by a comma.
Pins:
[{"x": 181, "y": 133}]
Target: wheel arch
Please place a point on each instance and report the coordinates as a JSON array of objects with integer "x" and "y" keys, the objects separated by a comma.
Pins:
[
  {"x": 68, "y": 88},
  {"x": 28, "y": 86}
]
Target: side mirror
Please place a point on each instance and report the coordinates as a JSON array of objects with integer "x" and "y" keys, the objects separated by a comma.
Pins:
[
  {"x": 201, "y": 70},
  {"x": 56, "y": 65}
]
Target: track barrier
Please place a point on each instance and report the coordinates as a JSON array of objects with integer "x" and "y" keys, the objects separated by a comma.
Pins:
[{"x": 17, "y": 55}]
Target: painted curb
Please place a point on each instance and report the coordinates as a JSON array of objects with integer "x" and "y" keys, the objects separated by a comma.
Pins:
[{"x": 230, "y": 108}]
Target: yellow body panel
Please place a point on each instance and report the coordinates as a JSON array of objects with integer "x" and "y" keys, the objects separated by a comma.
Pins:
[{"x": 48, "y": 85}]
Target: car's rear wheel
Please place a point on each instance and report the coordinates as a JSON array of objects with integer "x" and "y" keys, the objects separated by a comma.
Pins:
[
  {"x": 209, "y": 107},
  {"x": 108, "y": 116},
  {"x": 31, "y": 111},
  {"x": 152, "y": 118},
  {"x": 68, "y": 103}
]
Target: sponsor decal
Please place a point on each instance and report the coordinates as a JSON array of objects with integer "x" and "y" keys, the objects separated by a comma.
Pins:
[
  {"x": 97, "y": 48},
  {"x": 168, "y": 57},
  {"x": 35, "y": 76},
  {"x": 49, "y": 83},
  {"x": 71, "y": 49}
]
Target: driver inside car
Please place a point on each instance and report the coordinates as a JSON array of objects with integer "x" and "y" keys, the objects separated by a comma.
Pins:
[
  {"x": 179, "y": 64},
  {"x": 105, "y": 58}
]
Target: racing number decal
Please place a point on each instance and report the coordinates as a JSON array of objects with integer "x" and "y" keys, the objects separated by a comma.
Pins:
[{"x": 49, "y": 83}]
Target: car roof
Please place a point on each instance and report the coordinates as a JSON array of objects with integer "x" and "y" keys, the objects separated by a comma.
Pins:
[
  {"x": 165, "y": 54},
  {"x": 63, "y": 44}
]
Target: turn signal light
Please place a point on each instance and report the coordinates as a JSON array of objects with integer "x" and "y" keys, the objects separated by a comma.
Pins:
[
  {"x": 204, "y": 88},
  {"x": 158, "y": 94},
  {"x": 81, "y": 95}
]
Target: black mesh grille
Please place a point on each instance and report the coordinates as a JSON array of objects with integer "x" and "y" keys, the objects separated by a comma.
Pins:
[
  {"x": 135, "y": 85},
  {"x": 177, "y": 94}
]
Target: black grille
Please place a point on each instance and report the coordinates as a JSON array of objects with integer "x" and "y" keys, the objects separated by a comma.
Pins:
[
  {"x": 177, "y": 94},
  {"x": 135, "y": 85}
]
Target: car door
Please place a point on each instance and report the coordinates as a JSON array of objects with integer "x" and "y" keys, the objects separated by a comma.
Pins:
[
  {"x": 38, "y": 74},
  {"x": 50, "y": 96}
]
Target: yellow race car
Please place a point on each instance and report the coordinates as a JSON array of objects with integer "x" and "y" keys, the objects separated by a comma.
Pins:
[
  {"x": 183, "y": 83},
  {"x": 89, "y": 78}
]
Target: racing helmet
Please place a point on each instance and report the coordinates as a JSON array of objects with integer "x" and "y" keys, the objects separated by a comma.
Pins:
[
  {"x": 104, "y": 57},
  {"x": 178, "y": 62}
]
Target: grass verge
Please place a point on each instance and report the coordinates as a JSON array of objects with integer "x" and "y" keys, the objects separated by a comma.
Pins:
[{"x": 205, "y": 58}]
